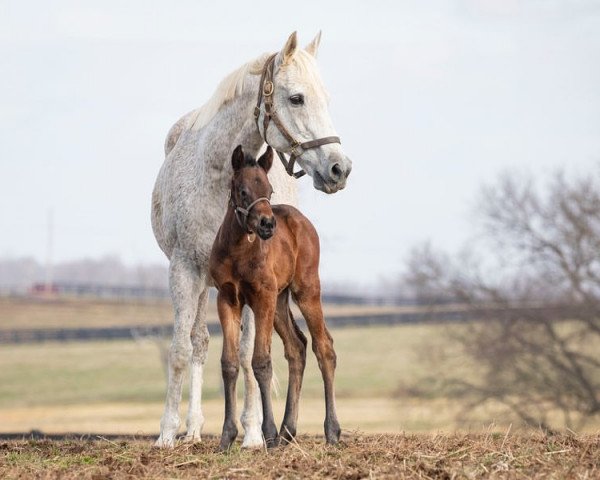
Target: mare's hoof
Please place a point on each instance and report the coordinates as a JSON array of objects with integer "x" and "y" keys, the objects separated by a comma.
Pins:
[
  {"x": 165, "y": 441},
  {"x": 193, "y": 438},
  {"x": 253, "y": 439}
]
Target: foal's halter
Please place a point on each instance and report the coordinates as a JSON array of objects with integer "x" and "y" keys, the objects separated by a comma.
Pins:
[
  {"x": 245, "y": 212},
  {"x": 266, "y": 89}
]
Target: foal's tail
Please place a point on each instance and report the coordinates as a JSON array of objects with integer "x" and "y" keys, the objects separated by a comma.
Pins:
[
  {"x": 297, "y": 329},
  {"x": 290, "y": 316}
]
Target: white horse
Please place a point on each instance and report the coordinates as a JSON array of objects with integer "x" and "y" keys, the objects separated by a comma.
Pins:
[{"x": 190, "y": 198}]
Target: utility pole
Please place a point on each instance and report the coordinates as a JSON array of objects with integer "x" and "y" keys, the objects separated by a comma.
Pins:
[{"x": 49, "y": 248}]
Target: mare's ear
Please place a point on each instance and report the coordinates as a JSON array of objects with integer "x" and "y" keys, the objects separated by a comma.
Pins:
[
  {"x": 266, "y": 160},
  {"x": 237, "y": 158},
  {"x": 289, "y": 48},
  {"x": 313, "y": 46}
]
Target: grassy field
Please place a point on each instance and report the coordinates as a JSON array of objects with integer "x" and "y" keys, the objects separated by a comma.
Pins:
[
  {"x": 119, "y": 386},
  {"x": 455, "y": 456},
  {"x": 389, "y": 379}
]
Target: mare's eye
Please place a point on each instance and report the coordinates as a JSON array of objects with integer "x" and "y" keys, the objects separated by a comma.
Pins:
[
  {"x": 297, "y": 99},
  {"x": 243, "y": 194}
]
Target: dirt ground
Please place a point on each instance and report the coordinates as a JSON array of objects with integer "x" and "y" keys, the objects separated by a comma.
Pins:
[{"x": 455, "y": 456}]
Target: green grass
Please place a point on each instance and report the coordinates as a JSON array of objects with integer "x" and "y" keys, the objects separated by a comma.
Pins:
[
  {"x": 372, "y": 362},
  {"x": 388, "y": 380}
]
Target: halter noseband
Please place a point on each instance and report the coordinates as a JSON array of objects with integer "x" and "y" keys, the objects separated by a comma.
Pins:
[
  {"x": 266, "y": 89},
  {"x": 245, "y": 212}
]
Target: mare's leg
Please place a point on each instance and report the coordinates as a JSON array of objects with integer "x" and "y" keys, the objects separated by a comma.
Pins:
[
  {"x": 251, "y": 418},
  {"x": 200, "y": 337},
  {"x": 229, "y": 316},
  {"x": 309, "y": 301},
  {"x": 294, "y": 344},
  {"x": 185, "y": 283},
  {"x": 264, "y": 313}
]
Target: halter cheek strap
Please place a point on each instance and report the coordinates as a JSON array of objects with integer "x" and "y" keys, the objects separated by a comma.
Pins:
[
  {"x": 243, "y": 213},
  {"x": 296, "y": 149}
]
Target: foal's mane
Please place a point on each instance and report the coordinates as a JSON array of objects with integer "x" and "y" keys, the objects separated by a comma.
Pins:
[{"x": 233, "y": 85}]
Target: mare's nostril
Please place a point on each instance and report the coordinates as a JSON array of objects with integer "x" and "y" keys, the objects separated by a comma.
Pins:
[{"x": 336, "y": 171}]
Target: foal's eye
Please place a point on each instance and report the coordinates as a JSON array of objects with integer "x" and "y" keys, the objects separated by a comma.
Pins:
[
  {"x": 297, "y": 99},
  {"x": 243, "y": 194}
]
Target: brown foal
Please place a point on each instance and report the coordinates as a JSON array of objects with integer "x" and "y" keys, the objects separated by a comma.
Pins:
[{"x": 261, "y": 254}]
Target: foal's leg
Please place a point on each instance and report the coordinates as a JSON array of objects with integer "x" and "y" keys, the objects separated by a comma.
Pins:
[
  {"x": 309, "y": 302},
  {"x": 264, "y": 312},
  {"x": 229, "y": 316},
  {"x": 251, "y": 418},
  {"x": 294, "y": 343},
  {"x": 185, "y": 283},
  {"x": 200, "y": 336}
]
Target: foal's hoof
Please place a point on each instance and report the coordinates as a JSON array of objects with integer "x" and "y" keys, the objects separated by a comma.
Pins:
[
  {"x": 332, "y": 433},
  {"x": 272, "y": 442},
  {"x": 227, "y": 437},
  {"x": 287, "y": 434}
]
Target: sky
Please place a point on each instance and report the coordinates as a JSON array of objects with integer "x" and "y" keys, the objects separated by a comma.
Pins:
[{"x": 432, "y": 99}]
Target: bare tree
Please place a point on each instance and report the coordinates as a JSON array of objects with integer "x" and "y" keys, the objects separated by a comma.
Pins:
[{"x": 536, "y": 294}]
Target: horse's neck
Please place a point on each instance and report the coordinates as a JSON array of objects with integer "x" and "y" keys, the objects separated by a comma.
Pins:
[
  {"x": 231, "y": 126},
  {"x": 234, "y": 125}
]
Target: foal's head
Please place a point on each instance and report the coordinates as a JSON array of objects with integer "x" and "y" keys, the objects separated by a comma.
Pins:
[{"x": 251, "y": 192}]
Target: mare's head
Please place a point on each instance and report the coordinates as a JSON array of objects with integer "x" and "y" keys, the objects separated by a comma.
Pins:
[
  {"x": 301, "y": 102},
  {"x": 251, "y": 192}
]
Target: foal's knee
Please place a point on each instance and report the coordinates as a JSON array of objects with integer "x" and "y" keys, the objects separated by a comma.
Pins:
[
  {"x": 261, "y": 366},
  {"x": 229, "y": 370}
]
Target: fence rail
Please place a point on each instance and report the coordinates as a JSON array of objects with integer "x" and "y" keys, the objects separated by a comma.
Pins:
[
  {"x": 447, "y": 315},
  {"x": 136, "y": 331}
]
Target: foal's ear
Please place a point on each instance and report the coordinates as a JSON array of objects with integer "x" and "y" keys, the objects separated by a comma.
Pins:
[
  {"x": 266, "y": 160},
  {"x": 237, "y": 158},
  {"x": 289, "y": 48}
]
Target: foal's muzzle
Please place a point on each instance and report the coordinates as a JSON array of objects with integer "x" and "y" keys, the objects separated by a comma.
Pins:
[{"x": 266, "y": 227}]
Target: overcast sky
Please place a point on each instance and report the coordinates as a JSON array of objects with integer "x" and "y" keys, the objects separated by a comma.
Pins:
[{"x": 431, "y": 99}]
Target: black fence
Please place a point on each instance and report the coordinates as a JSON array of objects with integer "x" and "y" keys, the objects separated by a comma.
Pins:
[{"x": 136, "y": 331}]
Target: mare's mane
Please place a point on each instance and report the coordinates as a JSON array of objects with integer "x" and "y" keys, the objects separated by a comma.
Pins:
[{"x": 234, "y": 84}]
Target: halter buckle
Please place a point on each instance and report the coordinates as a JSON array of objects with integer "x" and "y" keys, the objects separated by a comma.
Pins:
[
  {"x": 268, "y": 88},
  {"x": 293, "y": 148}
]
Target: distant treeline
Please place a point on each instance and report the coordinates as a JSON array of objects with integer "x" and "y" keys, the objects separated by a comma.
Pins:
[
  {"x": 109, "y": 277},
  {"x": 19, "y": 275}
]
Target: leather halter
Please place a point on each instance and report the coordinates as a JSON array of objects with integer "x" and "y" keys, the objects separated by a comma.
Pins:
[
  {"x": 245, "y": 212},
  {"x": 265, "y": 90}
]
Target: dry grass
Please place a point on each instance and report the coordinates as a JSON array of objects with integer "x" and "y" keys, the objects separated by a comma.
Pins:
[
  {"x": 73, "y": 312},
  {"x": 488, "y": 455}
]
